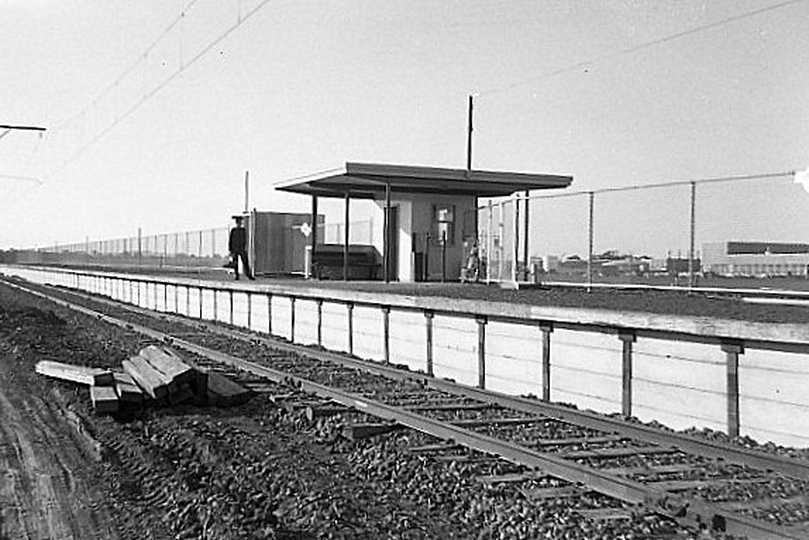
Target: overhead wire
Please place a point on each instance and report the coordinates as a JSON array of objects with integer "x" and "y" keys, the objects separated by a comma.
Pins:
[
  {"x": 636, "y": 48},
  {"x": 147, "y": 95}
]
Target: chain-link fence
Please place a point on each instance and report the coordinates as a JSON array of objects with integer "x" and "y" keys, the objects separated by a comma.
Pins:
[
  {"x": 183, "y": 251},
  {"x": 734, "y": 231},
  {"x": 190, "y": 251}
]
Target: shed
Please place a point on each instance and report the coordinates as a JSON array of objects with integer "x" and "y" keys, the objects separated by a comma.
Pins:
[{"x": 415, "y": 202}]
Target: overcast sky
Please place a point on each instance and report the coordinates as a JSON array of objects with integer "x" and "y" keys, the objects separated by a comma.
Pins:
[{"x": 307, "y": 85}]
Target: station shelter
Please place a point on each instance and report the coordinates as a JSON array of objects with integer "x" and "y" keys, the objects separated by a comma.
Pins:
[{"x": 421, "y": 208}]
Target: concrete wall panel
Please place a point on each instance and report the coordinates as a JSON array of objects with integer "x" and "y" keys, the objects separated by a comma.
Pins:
[
  {"x": 240, "y": 309},
  {"x": 686, "y": 379},
  {"x": 586, "y": 369},
  {"x": 335, "y": 326},
  {"x": 773, "y": 403},
  {"x": 455, "y": 349},
  {"x": 306, "y": 322},
  {"x": 408, "y": 339},
  {"x": 282, "y": 317},
  {"x": 259, "y": 313},
  {"x": 368, "y": 333},
  {"x": 513, "y": 358}
]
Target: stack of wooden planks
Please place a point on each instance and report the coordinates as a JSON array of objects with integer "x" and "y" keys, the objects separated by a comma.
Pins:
[{"x": 156, "y": 376}]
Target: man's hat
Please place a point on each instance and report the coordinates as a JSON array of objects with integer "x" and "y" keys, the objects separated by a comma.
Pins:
[{"x": 238, "y": 218}]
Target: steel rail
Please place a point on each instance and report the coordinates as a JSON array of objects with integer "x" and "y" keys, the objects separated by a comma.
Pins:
[{"x": 687, "y": 511}]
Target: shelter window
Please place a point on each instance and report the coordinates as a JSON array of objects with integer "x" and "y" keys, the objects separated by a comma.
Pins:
[{"x": 444, "y": 222}]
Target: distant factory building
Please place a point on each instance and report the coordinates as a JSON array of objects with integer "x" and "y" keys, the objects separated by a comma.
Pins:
[{"x": 763, "y": 259}]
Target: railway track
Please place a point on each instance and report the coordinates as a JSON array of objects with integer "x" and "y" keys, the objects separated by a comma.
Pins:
[{"x": 544, "y": 450}]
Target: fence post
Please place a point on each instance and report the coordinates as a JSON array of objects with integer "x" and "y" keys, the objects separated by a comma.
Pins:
[
  {"x": 428, "y": 318},
  {"x": 732, "y": 351},
  {"x": 481, "y": 351},
  {"x": 200, "y": 303},
  {"x": 692, "y": 235},
  {"x": 526, "y": 231},
  {"x": 230, "y": 297},
  {"x": 546, "y": 329},
  {"x": 627, "y": 339}
]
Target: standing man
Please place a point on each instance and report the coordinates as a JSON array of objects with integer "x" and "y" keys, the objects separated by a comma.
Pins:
[{"x": 237, "y": 245}]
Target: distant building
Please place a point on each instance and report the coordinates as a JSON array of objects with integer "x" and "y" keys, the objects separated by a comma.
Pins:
[{"x": 760, "y": 259}]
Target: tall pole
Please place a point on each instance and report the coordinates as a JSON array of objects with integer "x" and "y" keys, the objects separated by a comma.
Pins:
[
  {"x": 693, "y": 234},
  {"x": 246, "y": 191},
  {"x": 469, "y": 136},
  {"x": 592, "y": 197}
]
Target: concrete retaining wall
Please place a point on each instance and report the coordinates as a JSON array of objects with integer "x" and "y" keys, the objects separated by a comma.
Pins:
[{"x": 678, "y": 377}]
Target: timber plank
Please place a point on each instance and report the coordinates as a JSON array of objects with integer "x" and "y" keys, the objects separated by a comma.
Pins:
[
  {"x": 105, "y": 400},
  {"x": 146, "y": 376},
  {"x": 169, "y": 364},
  {"x": 128, "y": 390},
  {"x": 77, "y": 374}
]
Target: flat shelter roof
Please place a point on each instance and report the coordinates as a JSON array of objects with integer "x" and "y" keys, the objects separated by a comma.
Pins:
[{"x": 369, "y": 180}]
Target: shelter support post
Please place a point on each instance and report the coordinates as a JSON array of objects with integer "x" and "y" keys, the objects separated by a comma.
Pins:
[
  {"x": 347, "y": 235},
  {"x": 313, "y": 238},
  {"x": 386, "y": 234}
]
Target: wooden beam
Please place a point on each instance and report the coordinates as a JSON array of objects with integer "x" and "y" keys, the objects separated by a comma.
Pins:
[
  {"x": 128, "y": 390},
  {"x": 104, "y": 398},
  {"x": 146, "y": 376},
  {"x": 75, "y": 374},
  {"x": 174, "y": 370}
]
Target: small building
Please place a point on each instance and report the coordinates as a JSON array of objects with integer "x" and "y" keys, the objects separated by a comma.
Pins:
[
  {"x": 756, "y": 259},
  {"x": 428, "y": 214},
  {"x": 276, "y": 241}
]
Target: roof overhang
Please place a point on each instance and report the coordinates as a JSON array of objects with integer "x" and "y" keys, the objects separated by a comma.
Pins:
[{"x": 370, "y": 180}]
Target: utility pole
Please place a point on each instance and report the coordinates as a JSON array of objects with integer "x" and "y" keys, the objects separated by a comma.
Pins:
[
  {"x": 246, "y": 192},
  {"x": 470, "y": 128}
]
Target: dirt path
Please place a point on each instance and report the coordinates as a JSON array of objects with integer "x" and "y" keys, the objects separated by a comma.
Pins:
[{"x": 46, "y": 488}]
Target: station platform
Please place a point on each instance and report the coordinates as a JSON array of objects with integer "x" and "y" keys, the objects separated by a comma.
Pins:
[{"x": 738, "y": 375}]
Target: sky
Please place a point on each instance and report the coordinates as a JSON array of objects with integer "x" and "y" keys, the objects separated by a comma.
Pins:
[{"x": 155, "y": 109}]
